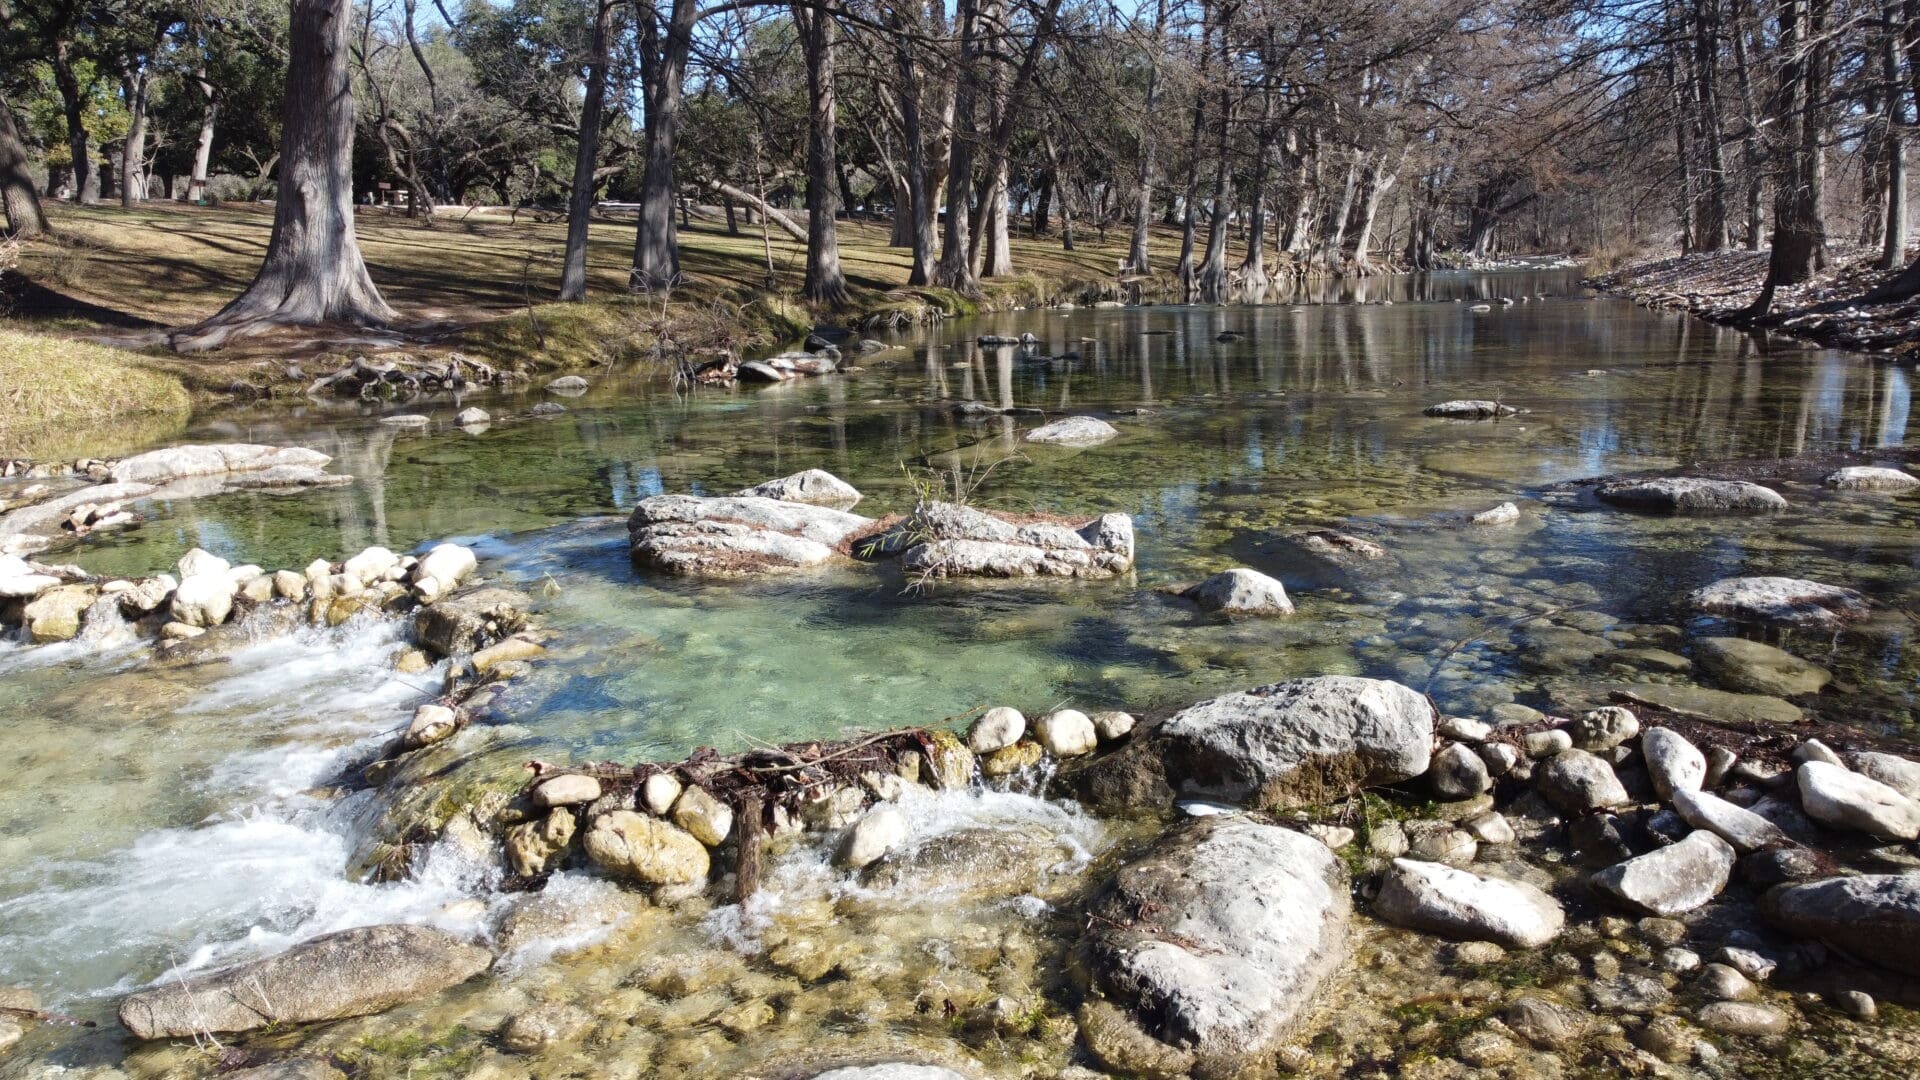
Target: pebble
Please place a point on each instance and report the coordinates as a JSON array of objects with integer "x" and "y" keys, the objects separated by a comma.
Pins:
[
  {"x": 1679, "y": 961},
  {"x": 1544, "y": 744},
  {"x": 1489, "y": 828},
  {"x": 1857, "y": 1004},
  {"x": 1723, "y": 983}
]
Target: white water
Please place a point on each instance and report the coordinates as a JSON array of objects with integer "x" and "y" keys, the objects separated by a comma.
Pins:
[{"x": 264, "y": 869}]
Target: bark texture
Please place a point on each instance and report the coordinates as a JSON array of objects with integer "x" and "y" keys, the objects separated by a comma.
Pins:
[{"x": 17, "y": 197}]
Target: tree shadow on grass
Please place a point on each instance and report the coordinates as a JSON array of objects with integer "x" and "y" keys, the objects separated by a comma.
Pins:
[{"x": 20, "y": 296}]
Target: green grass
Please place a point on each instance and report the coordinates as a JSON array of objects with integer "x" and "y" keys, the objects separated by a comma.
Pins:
[{"x": 51, "y": 386}]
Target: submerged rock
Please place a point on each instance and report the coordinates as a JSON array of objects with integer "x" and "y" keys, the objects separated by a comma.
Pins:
[
  {"x": 1248, "y": 920},
  {"x": 734, "y": 536},
  {"x": 949, "y": 540},
  {"x": 1455, "y": 903},
  {"x": 893, "y": 1070},
  {"x": 1073, "y": 431},
  {"x": 1702, "y": 703},
  {"x": 1757, "y": 668},
  {"x": 813, "y": 487},
  {"x": 1871, "y": 478},
  {"x": 1670, "y": 880},
  {"x": 351, "y": 973},
  {"x": 1875, "y": 917},
  {"x": 468, "y": 621},
  {"x": 1241, "y": 592},
  {"x": 1298, "y": 742},
  {"x": 1470, "y": 410},
  {"x": 1782, "y": 601},
  {"x": 973, "y": 864},
  {"x": 1691, "y": 495}
]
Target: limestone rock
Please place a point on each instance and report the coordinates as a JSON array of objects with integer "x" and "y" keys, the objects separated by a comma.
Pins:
[
  {"x": 532, "y": 845},
  {"x": 1781, "y": 601},
  {"x": 882, "y": 830},
  {"x": 1875, "y": 917},
  {"x": 470, "y": 620},
  {"x": 1742, "y": 1018},
  {"x": 351, "y": 973},
  {"x": 1691, "y": 495},
  {"x": 1842, "y": 799},
  {"x": 1546, "y": 1022},
  {"x": 54, "y": 615},
  {"x": 290, "y": 1069},
  {"x": 646, "y": 849},
  {"x": 1505, "y": 514},
  {"x": 568, "y": 384},
  {"x": 1756, "y": 668},
  {"x": 431, "y": 723},
  {"x": 1442, "y": 900},
  {"x": 1301, "y": 741},
  {"x": 472, "y": 416},
  {"x": 659, "y": 792},
  {"x": 1073, "y": 431},
  {"x": 736, "y": 536},
  {"x": 177, "y": 462},
  {"x": 442, "y": 569},
  {"x": 1672, "y": 762},
  {"x": 1576, "y": 782},
  {"x": 699, "y": 813},
  {"x": 1241, "y": 592},
  {"x": 567, "y": 789},
  {"x": 1113, "y": 725},
  {"x": 814, "y": 487},
  {"x": 1870, "y": 478},
  {"x": 891, "y": 1071},
  {"x": 1605, "y": 728},
  {"x": 1470, "y": 410},
  {"x": 1670, "y": 880},
  {"x": 1066, "y": 733},
  {"x": 1892, "y": 770},
  {"x": 1744, "y": 829},
  {"x": 1458, "y": 773},
  {"x": 1252, "y": 920},
  {"x": 996, "y": 729},
  {"x": 948, "y": 540},
  {"x": 199, "y": 561}
]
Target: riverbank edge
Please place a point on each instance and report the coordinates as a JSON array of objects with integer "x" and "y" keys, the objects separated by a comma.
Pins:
[{"x": 1830, "y": 311}]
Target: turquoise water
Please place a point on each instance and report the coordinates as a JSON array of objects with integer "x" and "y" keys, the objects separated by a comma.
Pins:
[{"x": 1311, "y": 419}]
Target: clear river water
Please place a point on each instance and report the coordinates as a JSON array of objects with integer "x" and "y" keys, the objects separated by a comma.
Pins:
[{"x": 164, "y": 817}]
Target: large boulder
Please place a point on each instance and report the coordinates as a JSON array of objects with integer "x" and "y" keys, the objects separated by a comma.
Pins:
[
  {"x": 1875, "y": 917},
  {"x": 1671, "y": 880},
  {"x": 214, "y": 459},
  {"x": 1215, "y": 945},
  {"x": 813, "y": 487},
  {"x": 1691, "y": 495},
  {"x": 737, "y": 536},
  {"x": 646, "y": 849},
  {"x": 1892, "y": 770},
  {"x": 1781, "y": 601},
  {"x": 1439, "y": 899},
  {"x": 949, "y": 540},
  {"x": 350, "y": 973},
  {"x": 1757, "y": 668},
  {"x": 55, "y": 614},
  {"x": 204, "y": 599},
  {"x": 1298, "y": 742},
  {"x": 1241, "y": 592}
]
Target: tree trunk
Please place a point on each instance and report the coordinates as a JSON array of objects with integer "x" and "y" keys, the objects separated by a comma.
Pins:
[
  {"x": 663, "y": 66},
  {"x": 17, "y": 197},
  {"x": 137, "y": 87},
  {"x": 996, "y": 259},
  {"x": 1893, "y": 245},
  {"x": 955, "y": 269},
  {"x": 1043, "y": 199},
  {"x": 86, "y": 178},
  {"x": 1211, "y": 282},
  {"x": 313, "y": 272},
  {"x": 1795, "y": 109},
  {"x": 1139, "y": 260},
  {"x": 918, "y": 209},
  {"x": 573, "y": 270},
  {"x": 825, "y": 283},
  {"x": 203, "y": 143},
  {"x": 1379, "y": 182},
  {"x": 1710, "y": 214}
]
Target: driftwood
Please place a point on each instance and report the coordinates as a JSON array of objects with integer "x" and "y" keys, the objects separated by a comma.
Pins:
[{"x": 780, "y": 221}]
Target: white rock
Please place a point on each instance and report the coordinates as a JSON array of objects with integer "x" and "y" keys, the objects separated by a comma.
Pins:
[
  {"x": 1457, "y": 903},
  {"x": 1670, "y": 880},
  {"x": 1464, "y": 729},
  {"x": 813, "y": 487},
  {"x": 1815, "y": 750},
  {"x": 1066, "y": 733},
  {"x": 204, "y": 600},
  {"x": 1842, "y": 799},
  {"x": 431, "y": 723},
  {"x": 996, "y": 729},
  {"x": 1113, "y": 725},
  {"x": 880, "y": 831},
  {"x": 197, "y": 562},
  {"x": 1869, "y": 478},
  {"x": 1782, "y": 601},
  {"x": 472, "y": 415},
  {"x": 1073, "y": 431},
  {"x": 1504, "y": 514},
  {"x": 1744, "y": 829},
  {"x": 659, "y": 792},
  {"x": 1241, "y": 592},
  {"x": 1673, "y": 763},
  {"x": 1458, "y": 773},
  {"x": 707, "y": 818},
  {"x": 1896, "y": 772},
  {"x": 442, "y": 569},
  {"x": 370, "y": 565},
  {"x": 567, "y": 789}
]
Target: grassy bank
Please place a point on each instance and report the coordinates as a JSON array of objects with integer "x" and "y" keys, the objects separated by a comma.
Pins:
[
  {"x": 51, "y": 388},
  {"x": 478, "y": 283}
]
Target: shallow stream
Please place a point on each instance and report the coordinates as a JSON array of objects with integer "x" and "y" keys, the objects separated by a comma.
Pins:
[{"x": 162, "y": 818}]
